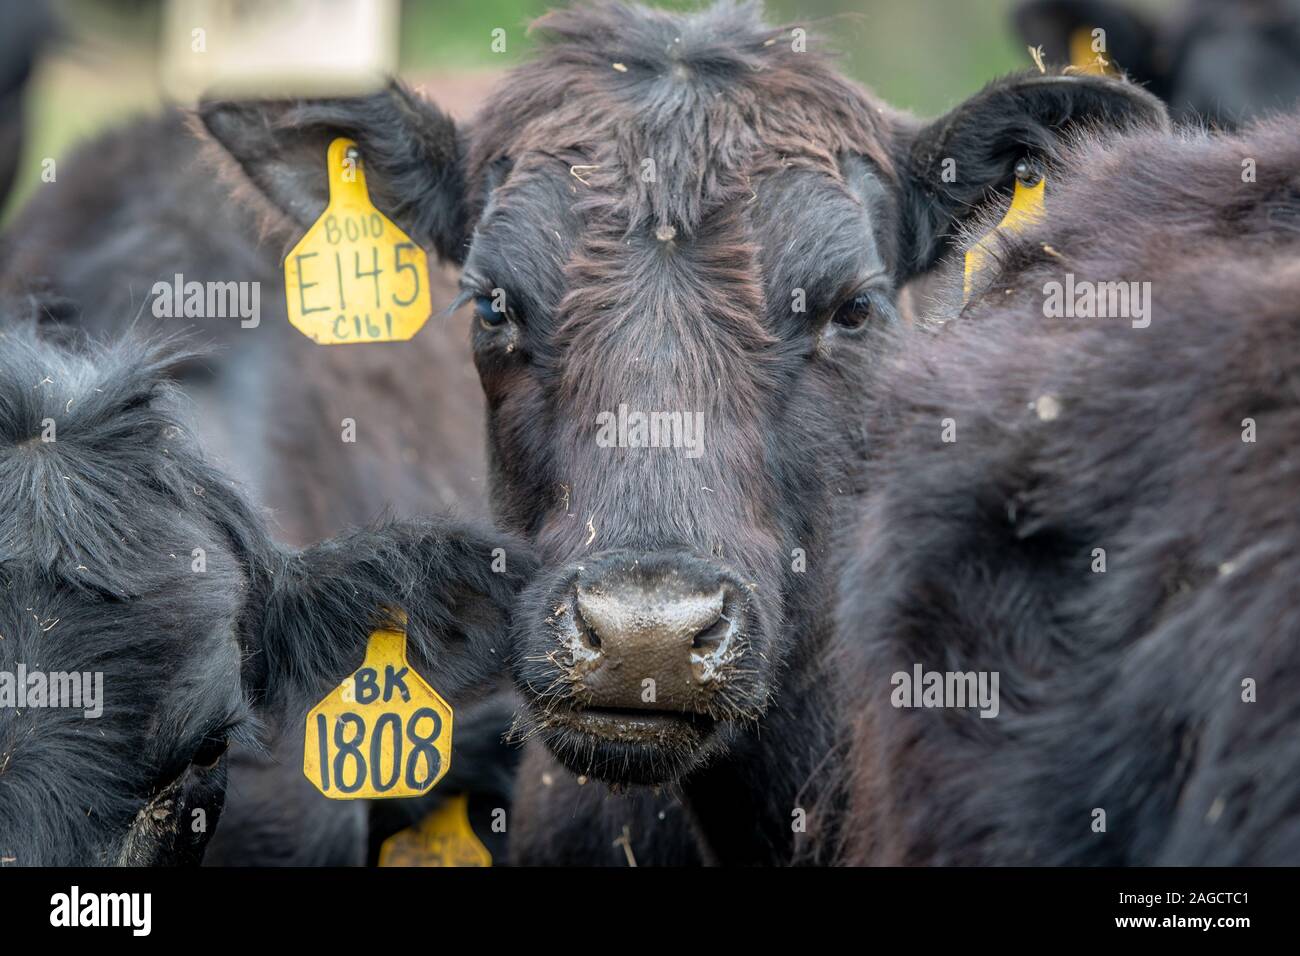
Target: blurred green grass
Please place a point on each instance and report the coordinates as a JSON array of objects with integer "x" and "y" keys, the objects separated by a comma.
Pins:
[{"x": 921, "y": 55}]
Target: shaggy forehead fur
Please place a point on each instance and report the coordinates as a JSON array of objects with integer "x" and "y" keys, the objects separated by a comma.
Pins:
[{"x": 715, "y": 98}]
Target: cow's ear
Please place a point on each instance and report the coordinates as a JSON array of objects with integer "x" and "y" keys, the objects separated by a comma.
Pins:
[
  {"x": 410, "y": 149},
  {"x": 1066, "y": 31},
  {"x": 450, "y": 586},
  {"x": 955, "y": 164}
]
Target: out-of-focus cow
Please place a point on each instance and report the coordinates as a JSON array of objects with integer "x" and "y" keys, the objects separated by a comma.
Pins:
[
  {"x": 104, "y": 501},
  {"x": 1110, "y": 541},
  {"x": 27, "y": 28},
  {"x": 1225, "y": 62}
]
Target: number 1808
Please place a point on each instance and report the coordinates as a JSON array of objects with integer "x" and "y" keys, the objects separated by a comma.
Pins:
[{"x": 359, "y": 751}]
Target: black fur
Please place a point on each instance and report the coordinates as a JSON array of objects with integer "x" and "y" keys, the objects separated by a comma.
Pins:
[
  {"x": 1120, "y": 691},
  {"x": 97, "y": 532},
  {"x": 773, "y": 174},
  {"x": 143, "y": 203},
  {"x": 784, "y": 176}
]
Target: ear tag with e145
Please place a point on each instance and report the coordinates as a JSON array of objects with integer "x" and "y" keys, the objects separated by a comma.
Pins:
[
  {"x": 355, "y": 277},
  {"x": 383, "y": 732}
]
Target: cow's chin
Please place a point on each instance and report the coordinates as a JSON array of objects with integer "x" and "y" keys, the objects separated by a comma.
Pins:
[{"x": 629, "y": 747}]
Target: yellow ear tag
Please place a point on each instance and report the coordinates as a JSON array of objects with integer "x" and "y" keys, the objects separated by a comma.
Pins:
[
  {"x": 355, "y": 277},
  {"x": 1026, "y": 208},
  {"x": 1084, "y": 58},
  {"x": 383, "y": 732},
  {"x": 443, "y": 838}
]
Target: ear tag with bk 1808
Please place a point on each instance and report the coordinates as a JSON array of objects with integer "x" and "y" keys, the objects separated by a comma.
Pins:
[
  {"x": 383, "y": 732},
  {"x": 355, "y": 276}
]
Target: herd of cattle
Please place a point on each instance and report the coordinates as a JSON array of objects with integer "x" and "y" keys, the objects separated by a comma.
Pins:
[{"x": 1093, "y": 510}]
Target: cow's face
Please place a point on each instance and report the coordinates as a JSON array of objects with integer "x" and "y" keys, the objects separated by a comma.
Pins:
[
  {"x": 683, "y": 239},
  {"x": 669, "y": 351},
  {"x": 146, "y": 620}
]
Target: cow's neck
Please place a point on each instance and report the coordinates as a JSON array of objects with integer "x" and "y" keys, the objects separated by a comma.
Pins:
[{"x": 744, "y": 805}]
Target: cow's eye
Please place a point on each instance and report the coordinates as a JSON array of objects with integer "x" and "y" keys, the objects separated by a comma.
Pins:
[
  {"x": 210, "y": 751},
  {"x": 854, "y": 313},
  {"x": 489, "y": 315}
]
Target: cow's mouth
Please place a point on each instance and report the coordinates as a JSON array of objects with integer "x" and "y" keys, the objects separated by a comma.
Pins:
[
  {"x": 627, "y": 746},
  {"x": 638, "y": 726},
  {"x": 640, "y": 667}
]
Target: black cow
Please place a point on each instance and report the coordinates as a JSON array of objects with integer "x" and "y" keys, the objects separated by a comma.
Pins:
[
  {"x": 123, "y": 553},
  {"x": 1210, "y": 60},
  {"x": 1114, "y": 531},
  {"x": 682, "y": 214},
  {"x": 139, "y": 205}
]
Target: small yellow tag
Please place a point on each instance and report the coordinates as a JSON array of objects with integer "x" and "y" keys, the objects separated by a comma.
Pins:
[
  {"x": 1084, "y": 58},
  {"x": 443, "y": 838},
  {"x": 1026, "y": 207},
  {"x": 383, "y": 732},
  {"x": 355, "y": 277}
]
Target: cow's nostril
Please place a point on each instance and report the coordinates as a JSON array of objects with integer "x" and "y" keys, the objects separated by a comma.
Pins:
[
  {"x": 712, "y": 635},
  {"x": 585, "y": 631}
]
